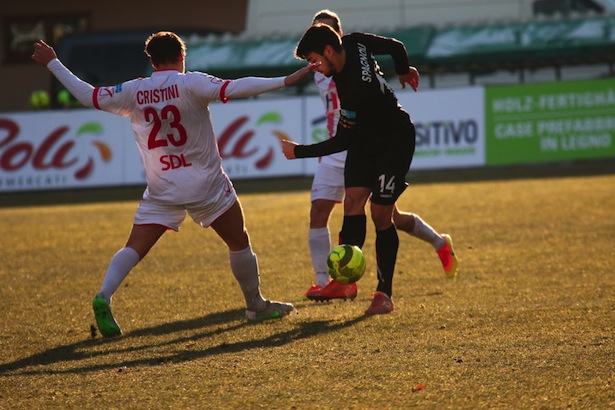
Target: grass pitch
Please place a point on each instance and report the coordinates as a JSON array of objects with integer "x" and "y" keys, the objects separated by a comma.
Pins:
[{"x": 528, "y": 324}]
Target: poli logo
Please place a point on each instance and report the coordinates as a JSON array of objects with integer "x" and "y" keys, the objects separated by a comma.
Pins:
[
  {"x": 275, "y": 118},
  {"x": 233, "y": 143},
  {"x": 102, "y": 150}
]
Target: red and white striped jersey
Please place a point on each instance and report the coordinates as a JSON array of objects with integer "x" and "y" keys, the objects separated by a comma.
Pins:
[{"x": 328, "y": 94}]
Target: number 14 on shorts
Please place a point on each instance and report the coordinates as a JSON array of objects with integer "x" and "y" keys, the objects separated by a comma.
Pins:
[{"x": 387, "y": 187}]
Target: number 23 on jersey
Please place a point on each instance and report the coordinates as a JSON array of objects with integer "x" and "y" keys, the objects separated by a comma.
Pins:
[{"x": 177, "y": 138}]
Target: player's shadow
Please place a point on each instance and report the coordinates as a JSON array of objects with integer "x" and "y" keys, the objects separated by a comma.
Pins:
[{"x": 88, "y": 349}]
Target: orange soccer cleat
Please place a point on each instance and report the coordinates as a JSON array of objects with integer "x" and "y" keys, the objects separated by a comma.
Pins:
[
  {"x": 381, "y": 304},
  {"x": 448, "y": 258},
  {"x": 332, "y": 290}
]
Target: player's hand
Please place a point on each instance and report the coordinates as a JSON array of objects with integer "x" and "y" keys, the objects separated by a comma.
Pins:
[
  {"x": 412, "y": 78},
  {"x": 295, "y": 77},
  {"x": 43, "y": 53},
  {"x": 288, "y": 148}
]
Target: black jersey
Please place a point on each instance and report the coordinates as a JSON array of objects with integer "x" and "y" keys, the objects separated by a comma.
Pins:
[
  {"x": 369, "y": 107},
  {"x": 368, "y": 104}
]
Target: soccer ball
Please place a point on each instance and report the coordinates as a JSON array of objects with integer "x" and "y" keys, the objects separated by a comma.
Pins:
[
  {"x": 39, "y": 100},
  {"x": 346, "y": 264}
]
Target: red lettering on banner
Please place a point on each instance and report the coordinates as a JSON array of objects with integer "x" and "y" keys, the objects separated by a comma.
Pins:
[
  {"x": 10, "y": 160},
  {"x": 49, "y": 154},
  {"x": 239, "y": 149},
  {"x": 58, "y": 158},
  {"x": 225, "y": 137},
  {"x": 12, "y": 130},
  {"x": 86, "y": 170}
]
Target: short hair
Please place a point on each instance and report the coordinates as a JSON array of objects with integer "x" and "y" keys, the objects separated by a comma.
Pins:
[
  {"x": 315, "y": 39},
  {"x": 164, "y": 47},
  {"x": 327, "y": 14}
]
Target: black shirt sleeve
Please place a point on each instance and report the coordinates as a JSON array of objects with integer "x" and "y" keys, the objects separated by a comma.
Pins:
[
  {"x": 338, "y": 143},
  {"x": 384, "y": 45}
]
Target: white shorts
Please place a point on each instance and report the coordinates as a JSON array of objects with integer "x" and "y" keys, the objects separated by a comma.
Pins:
[
  {"x": 204, "y": 212},
  {"x": 328, "y": 183}
]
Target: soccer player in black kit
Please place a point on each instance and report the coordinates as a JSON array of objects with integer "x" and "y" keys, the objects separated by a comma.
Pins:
[{"x": 375, "y": 130}]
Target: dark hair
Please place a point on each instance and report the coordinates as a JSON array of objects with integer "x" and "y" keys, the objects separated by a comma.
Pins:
[
  {"x": 315, "y": 39},
  {"x": 327, "y": 14},
  {"x": 164, "y": 47}
]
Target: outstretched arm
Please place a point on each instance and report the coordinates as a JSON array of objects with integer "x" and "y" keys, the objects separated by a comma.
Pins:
[
  {"x": 329, "y": 146},
  {"x": 295, "y": 77},
  {"x": 45, "y": 55},
  {"x": 251, "y": 86}
]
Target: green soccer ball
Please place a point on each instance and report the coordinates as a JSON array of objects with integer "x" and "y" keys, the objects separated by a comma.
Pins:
[
  {"x": 346, "y": 264},
  {"x": 39, "y": 100}
]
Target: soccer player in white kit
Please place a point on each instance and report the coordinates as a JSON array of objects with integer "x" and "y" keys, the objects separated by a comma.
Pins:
[
  {"x": 175, "y": 137},
  {"x": 328, "y": 189}
]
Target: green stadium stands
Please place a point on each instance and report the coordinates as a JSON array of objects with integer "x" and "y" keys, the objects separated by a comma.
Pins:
[{"x": 449, "y": 49}]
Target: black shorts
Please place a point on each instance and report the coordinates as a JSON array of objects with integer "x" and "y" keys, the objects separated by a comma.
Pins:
[{"x": 380, "y": 165}]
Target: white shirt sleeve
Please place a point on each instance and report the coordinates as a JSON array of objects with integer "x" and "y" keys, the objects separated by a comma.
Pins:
[
  {"x": 250, "y": 86},
  {"x": 81, "y": 90}
]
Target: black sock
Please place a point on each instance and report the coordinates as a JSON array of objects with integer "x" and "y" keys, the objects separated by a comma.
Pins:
[
  {"x": 387, "y": 243},
  {"x": 353, "y": 230}
]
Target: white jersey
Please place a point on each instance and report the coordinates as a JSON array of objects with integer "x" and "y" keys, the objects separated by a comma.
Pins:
[
  {"x": 328, "y": 94},
  {"x": 173, "y": 130},
  {"x": 172, "y": 125}
]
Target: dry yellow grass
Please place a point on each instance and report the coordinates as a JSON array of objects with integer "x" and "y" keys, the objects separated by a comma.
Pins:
[{"x": 528, "y": 324}]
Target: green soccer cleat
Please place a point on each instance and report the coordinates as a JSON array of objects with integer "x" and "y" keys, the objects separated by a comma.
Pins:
[
  {"x": 107, "y": 325},
  {"x": 273, "y": 310}
]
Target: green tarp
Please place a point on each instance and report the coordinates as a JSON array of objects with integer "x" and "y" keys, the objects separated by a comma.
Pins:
[
  {"x": 569, "y": 41},
  {"x": 455, "y": 48},
  {"x": 276, "y": 56}
]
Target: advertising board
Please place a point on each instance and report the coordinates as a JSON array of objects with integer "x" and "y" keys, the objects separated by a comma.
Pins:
[{"x": 548, "y": 122}]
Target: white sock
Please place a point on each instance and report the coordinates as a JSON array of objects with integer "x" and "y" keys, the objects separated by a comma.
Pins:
[
  {"x": 320, "y": 246},
  {"x": 245, "y": 269},
  {"x": 119, "y": 267},
  {"x": 423, "y": 231},
  {"x": 322, "y": 278}
]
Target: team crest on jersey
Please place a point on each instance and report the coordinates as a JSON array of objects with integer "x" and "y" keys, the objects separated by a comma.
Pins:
[{"x": 106, "y": 91}]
